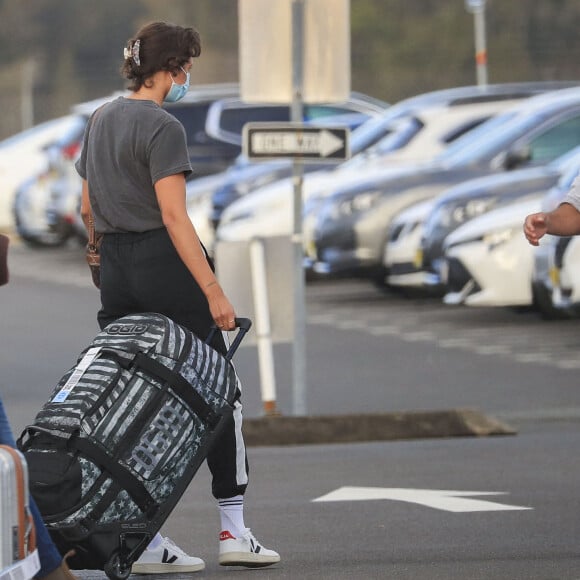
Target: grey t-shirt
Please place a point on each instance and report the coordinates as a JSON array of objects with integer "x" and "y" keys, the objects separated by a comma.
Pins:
[
  {"x": 573, "y": 196},
  {"x": 128, "y": 146}
]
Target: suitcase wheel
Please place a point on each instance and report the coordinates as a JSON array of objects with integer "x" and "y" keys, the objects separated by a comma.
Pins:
[{"x": 114, "y": 570}]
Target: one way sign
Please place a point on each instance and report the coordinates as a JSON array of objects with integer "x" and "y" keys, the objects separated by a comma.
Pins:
[{"x": 295, "y": 141}]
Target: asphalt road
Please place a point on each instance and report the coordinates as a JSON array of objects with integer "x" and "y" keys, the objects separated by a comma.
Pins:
[{"x": 367, "y": 352}]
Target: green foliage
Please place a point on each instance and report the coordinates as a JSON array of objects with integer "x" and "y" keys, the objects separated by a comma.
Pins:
[{"x": 398, "y": 47}]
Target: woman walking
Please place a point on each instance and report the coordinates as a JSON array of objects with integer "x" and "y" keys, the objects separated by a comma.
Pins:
[{"x": 134, "y": 163}]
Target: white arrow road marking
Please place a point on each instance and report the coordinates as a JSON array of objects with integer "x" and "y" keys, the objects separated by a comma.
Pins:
[
  {"x": 439, "y": 499},
  {"x": 283, "y": 142}
]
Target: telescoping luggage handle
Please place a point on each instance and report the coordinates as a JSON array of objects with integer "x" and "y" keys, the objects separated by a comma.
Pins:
[{"x": 243, "y": 325}]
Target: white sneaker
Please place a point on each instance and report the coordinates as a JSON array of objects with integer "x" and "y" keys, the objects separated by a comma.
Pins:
[
  {"x": 166, "y": 558},
  {"x": 245, "y": 550}
]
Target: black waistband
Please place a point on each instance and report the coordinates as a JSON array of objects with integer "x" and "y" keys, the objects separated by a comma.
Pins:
[{"x": 132, "y": 237}]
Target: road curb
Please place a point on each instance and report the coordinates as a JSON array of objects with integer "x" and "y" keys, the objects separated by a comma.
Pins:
[{"x": 322, "y": 429}]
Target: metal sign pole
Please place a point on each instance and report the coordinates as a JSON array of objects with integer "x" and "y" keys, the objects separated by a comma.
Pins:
[
  {"x": 268, "y": 50},
  {"x": 477, "y": 8},
  {"x": 299, "y": 344},
  {"x": 480, "y": 47}
]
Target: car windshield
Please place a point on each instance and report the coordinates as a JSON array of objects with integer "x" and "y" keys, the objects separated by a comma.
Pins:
[
  {"x": 368, "y": 133},
  {"x": 406, "y": 129},
  {"x": 488, "y": 139},
  {"x": 376, "y": 128},
  {"x": 570, "y": 159},
  {"x": 387, "y": 137}
]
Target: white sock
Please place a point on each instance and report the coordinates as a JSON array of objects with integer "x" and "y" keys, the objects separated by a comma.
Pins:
[
  {"x": 232, "y": 514},
  {"x": 157, "y": 539}
]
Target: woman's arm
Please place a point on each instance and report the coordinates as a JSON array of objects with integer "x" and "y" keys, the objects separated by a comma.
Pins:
[
  {"x": 170, "y": 193},
  {"x": 85, "y": 203}
]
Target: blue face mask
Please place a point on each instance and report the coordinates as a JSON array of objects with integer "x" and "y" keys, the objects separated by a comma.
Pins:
[{"x": 177, "y": 91}]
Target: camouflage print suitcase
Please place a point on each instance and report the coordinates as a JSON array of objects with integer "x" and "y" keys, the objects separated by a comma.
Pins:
[{"x": 123, "y": 434}]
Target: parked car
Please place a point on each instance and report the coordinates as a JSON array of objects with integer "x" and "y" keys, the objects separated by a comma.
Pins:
[
  {"x": 24, "y": 155},
  {"x": 227, "y": 117},
  {"x": 473, "y": 198},
  {"x": 46, "y": 208},
  {"x": 404, "y": 254},
  {"x": 207, "y": 200},
  {"x": 488, "y": 261},
  {"x": 353, "y": 222},
  {"x": 414, "y": 130},
  {"x": 198, "y": 198},
  {"x": 498, "y": 267},
  {"x": 45, "y": 203},
  {"x": 400, "y": 255}
]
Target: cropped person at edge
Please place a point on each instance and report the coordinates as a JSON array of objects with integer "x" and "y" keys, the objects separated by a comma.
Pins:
[
  {"x": 563, "y": 221},
  {"x": 52, "y": 565},
  {"x": 133, "y": 164}
]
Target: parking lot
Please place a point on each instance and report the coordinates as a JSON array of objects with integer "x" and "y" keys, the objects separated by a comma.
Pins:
[
  {"x": 406, "y": 353},
  {"x": 367, "y": 352}
]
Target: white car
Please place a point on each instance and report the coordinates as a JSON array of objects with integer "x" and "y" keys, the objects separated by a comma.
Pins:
[
  {"x": 199, "y": 194},
  {"x": 23, "y": 156},
  {"x": 403, "y": 244},
  {"x": 46, "y": 202},
  {"x": 488, "y": 261},
  {"x": 414, "y": 139}
]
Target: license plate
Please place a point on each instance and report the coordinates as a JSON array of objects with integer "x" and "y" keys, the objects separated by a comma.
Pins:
[
  {"x": 418, "y": 260},
  {"x": 310, "y": 249}
]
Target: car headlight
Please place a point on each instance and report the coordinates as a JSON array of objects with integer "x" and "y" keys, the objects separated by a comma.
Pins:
[
  {"x": 345, "y": 207},
  {"x": 499, "y": 237},
  {"x": 456, "y": 214}
]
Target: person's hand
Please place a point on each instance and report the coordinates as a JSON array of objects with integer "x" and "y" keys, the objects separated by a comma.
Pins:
[
  {"x": 535, "y": 226},
  {"x": 221, "y": 309}
]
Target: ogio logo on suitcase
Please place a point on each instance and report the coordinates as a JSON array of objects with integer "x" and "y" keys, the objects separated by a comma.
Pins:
[{"x": 127, "y": 329}]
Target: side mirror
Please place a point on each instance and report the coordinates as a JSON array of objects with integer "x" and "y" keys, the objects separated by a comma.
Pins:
[{"x": 516, "y": 157}]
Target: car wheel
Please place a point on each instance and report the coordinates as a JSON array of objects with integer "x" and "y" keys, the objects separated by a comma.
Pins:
[{"x": 542, "y": 301}]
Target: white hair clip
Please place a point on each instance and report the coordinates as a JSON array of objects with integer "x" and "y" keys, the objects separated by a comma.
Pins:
[{"x": 133, "y": 52}]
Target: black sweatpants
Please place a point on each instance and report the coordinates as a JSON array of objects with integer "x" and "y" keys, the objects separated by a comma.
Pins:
[{"x": 142, "y": 272}]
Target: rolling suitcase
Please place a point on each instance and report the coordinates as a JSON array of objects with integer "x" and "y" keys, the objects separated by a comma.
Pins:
[
  {"x": 18, "y": 556},
  {"x": 123, "y": 434}
]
